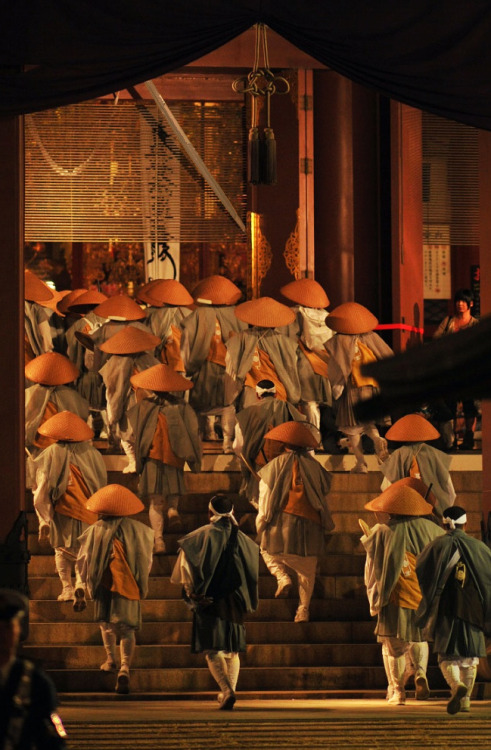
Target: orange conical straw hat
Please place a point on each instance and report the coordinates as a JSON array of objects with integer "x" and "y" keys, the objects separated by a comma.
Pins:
[
  {"x": 305, "y": 292},
  {"x": 35, "y": 290},
  {"x": 87, "y": 301},
  {"x": 350, "y": 317},
  {"x": 160, "y": 378},
  {"x": 56, "y": 300},
  {"x": 120, "y": 307},
  {"x": 216, "y": 290},
  {"x": 64, "y": 304},
  {"x": 412, "y": 428},
  {"x": 402, "y": 500},
  {"x": 421, "y": 487},
  {"x": 294, "y": 433},
  {"x": 66, "y": 426},
  {"x": 51, "y": 368},
  {"x": 130, "y": 340},
  {"x": 141, "y": 294},
  {"x": 114, "y": 500},
  {"x": 167, "y": 292},
  {"x": 265, "y": 312}
]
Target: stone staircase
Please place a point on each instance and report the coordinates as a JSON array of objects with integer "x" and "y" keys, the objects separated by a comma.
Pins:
[{"x": 334, "y": 653}]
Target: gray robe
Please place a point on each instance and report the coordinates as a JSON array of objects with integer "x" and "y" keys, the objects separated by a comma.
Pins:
[
  {"x": 94, "y": 558},
  {"x": 63, "y": 397},
  {"x": 116, "y": 374}
]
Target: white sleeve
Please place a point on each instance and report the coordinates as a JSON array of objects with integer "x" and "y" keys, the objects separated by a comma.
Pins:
[{"x": 42, "y": 502}]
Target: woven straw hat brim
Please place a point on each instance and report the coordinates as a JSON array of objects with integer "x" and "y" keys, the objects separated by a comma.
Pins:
[
  {"x": 56, "y": 299},
  {"x": 114, "y": 500},
  {"x": 162, "y": 378},
  {"x": 306, "y": 292},
  {"x": 35, "y": 290},
  {"x": 168, "y": 292},
  {"x": 216, "y": 290},
  {"x": 64, "y": 304},
  {"x": 294, "y": 433},
  {"x": 120, "y": 307},
  {"x": 412, "y": 428},
  {"x": 87, "y": 301},
  {"x": 265, "y": 312},
  {"x": 351, "y": 318},
  {"x": 51, "y": 368},
  {"x": 402, "y": 500},
  {"x": 142, "y": 292},
  {"x": 66, "y": 426},
  {"x": 421, "y": 487},
  {"x": 130, "y": 340}
]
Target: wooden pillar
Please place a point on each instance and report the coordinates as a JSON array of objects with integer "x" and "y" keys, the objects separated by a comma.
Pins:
[
  {"x": 407, "y": 223},
  {"x": 306, "y": 237},
  {"x": 12, "y": 487},
  {"x": 485, "y": 263},
  {"x": 334, "y": 202}
]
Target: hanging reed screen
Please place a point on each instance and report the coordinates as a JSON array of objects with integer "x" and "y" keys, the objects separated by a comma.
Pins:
[
  {"x": 450, "y": 182},
  {"x": 100, "y": 171}
]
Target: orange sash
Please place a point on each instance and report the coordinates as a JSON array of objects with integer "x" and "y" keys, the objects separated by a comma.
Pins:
[
  {"x": 363, "y": 357},
  {"x": 171, "y": 352},
  {"x": 218, "y": 350},
  {"x": 161, "y": 449},
  {"x": 41, "y": 441},
  {"x": 406, "y": 592},
  {"x": 118, "y": 577},
  {"x": 317, "y": 358},
  {"x": 72, "y": 502},
  {"x": 414, "y": 469},
  {"x": 297, "y": 504},
  {"x": 263, "y": 369}
]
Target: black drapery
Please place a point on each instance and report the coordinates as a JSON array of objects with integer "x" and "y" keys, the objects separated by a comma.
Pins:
[{"x": 431, "y": 54}]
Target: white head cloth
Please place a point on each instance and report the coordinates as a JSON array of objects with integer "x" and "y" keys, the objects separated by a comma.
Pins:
[
  {"x": 315, "y": 332},
  {"x": 451, "y": 522},
  {"x": 216, "y": 516}
]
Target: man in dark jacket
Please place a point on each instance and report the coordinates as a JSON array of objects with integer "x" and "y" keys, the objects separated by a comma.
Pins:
[{"x": 218, "y": 567}]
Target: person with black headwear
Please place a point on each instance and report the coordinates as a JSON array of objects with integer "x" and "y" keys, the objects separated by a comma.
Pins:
[
  {"x": 218, "y": 567},
  {"x": 28, "y": 719},
  {"x": 454, "y": 574}
]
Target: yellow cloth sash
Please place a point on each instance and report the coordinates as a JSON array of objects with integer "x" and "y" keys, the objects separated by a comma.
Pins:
[
  {"x": 363, "y": 357},
  {"x": 263, "y": 369},
  {"x": 72, "y": 502},
  {"x": 218, "y": 350},
  {"x": 407, "y": 592},
  {"x": 118, "y": 576},
  {"x": 41, "y": 441},
  {"x": 171, "y": 352},
  {"x": 318, "y": 359},
  {"x": 297, "y": 503},
  {"x": 161, "y": 449}
]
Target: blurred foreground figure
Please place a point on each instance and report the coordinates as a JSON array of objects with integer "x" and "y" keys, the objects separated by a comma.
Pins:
[
  {"x": 28, "y": 718},
  {"x": 454, "y": 574},
  {"x": 218, "y": 567}
]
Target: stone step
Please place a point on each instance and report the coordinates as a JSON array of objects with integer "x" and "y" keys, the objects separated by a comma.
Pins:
[
  {"x": 199, "y": 679},
  {"x": 176, "y": 611},
  {"x": 152, "y": 632},
  {"x": 342, "y": 586},
  {"x": 180, "y": 656}
]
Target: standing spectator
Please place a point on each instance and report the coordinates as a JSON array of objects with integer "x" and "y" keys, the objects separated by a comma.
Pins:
[
  {"x": 68, "y": 472},
  {"x": 218, "y": 567},
  {"x": 355, "y": 345},
  {"x": 166, "y": 436},
  {"x": 204, "y": 335},
  {"x": 454, "y": 574},
  {"x": 114, "y": 563},
  {"x": 293, "y": 516},
  {"x": 312, "y": 333},
  {"x": 253, "y": 423},
  {"x": 28, "y": 719},
  {"x": 416, "y": 459},
  {"x": 392, "y": 585},
  {"x": 462, "y": 319}
]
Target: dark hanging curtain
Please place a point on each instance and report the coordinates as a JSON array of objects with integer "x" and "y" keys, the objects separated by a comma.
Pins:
[{"x": 431, "y": 54}]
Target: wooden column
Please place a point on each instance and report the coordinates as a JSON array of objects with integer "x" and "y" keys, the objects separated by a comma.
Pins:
[
  {"x": 407, "y": 223},
  {"x": 485, "y": 263},
  {"x": 306, "y": 173}
]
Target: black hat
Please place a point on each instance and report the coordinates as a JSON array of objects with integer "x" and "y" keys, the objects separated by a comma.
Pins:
[
  {"x": 12, "y": 603},
  {"x": 221, "y": 504}
]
